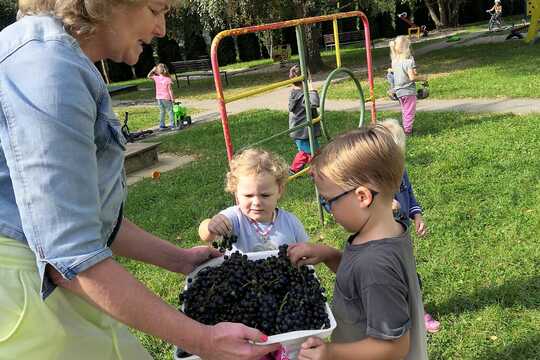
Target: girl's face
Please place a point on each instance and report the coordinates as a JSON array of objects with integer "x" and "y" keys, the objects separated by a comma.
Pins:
[
  {"x": 131, "y": 27},
  {"x": 257, "y": 196}
]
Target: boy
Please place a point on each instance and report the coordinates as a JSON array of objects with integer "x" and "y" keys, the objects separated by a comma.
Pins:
[{"x": 377, "y": 301}]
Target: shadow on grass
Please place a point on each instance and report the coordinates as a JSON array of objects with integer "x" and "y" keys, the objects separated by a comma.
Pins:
[
  {"x": 525, "y": 349},
  {"x": 426, "y": 123},
  {"x": 521, "y": 293}
]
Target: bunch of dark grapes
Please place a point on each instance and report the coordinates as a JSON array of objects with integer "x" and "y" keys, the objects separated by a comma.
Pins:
[
  {"x": 268, "y": 294},
  {"x": 225, "y": 243}
]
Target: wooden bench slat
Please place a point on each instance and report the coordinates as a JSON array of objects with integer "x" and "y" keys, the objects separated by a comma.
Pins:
[{"x": 187, "y": 68}]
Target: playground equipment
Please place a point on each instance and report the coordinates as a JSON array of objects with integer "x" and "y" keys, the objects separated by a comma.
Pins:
[
  {"x": 413, "y": 28},
  {"x": 310, "y": 122},
  {"x": 533, "y": 10}
]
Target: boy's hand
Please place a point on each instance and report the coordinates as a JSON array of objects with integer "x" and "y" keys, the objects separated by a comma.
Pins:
[
  {"x": 305, "y": 254},
  {"x": 220, "y": 225},
  {"x": 420, "y": 225},
  {"x": 313, "y": 348}
]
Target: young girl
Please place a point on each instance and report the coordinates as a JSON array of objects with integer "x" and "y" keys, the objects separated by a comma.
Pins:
[
  {"x": 407, "y": 208},
  {"x": 164, "y": 94},
  {"x": 297, "y": 116},
  {"x": 404, "y": 77},
  {"x": 376, "y": 302},
  {"x": 257, "y": 179}
]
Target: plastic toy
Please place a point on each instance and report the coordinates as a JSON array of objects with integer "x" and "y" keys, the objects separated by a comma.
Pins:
[{"x": 181, "y": 118}]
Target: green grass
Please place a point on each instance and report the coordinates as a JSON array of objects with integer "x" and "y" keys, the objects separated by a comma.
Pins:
[
  {"x": 506, "y": 69},
  {"x": 477, "y": 179},
  {"x": 144, "y": 117}
]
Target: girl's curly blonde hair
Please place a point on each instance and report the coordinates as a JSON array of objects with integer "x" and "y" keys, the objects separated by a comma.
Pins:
[{"x": 254, "y": 162}]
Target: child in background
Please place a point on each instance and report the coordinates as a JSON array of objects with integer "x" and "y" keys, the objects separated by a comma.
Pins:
[
  {"x": 257, "y": 178},
  {"x": 164, "y": 94},
  {"x": 404, "y": 77},
  {"x": 377, "y": 301},
  {"x": 297, "y": 116},
  {"x": 406, "y": 208}
]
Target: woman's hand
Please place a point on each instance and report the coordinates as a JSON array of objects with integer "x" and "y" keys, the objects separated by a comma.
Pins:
[
  {"x": 230, "y": 341},
  {"x": 220, "y": 225},
  {"x": 313, "y": 348}
]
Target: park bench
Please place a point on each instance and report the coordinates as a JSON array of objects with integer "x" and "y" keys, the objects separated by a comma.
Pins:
[
  {"x": 190, "y": 68},
  {"x": 345, "y": 38}
]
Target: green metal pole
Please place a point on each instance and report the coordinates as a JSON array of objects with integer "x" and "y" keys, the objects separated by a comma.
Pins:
[{"x": 307, "y": 102}]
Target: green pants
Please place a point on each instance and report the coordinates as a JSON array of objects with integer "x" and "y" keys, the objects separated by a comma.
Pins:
[{"x": 64, "y": 326}]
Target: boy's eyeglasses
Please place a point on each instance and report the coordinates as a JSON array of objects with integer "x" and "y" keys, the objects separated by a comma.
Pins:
[{"x": 327, "y": 204}]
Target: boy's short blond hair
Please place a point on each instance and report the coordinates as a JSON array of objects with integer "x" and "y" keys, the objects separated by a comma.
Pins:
[
  {"x": 397, "y": 132},
  {"x": 368, "y": 156},
  {"x": 254, "y": 162}
]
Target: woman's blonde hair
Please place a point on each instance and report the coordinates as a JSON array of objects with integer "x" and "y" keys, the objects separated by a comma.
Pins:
[
  {"x": 80, "y": 17},
  {"x": 400, "y": 49},
  {"x": 254, "y": 162},
  {"x": 397, "y": 132},
  {"x": 368, "y": 156}
]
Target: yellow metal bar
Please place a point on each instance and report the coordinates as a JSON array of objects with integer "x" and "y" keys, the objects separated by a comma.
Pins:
[
  {"x": 298, "y": 174},
  {"x": 263, "y": 89},
  {"x": 336, "y": 43}
]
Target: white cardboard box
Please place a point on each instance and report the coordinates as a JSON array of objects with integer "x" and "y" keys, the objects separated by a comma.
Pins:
[{"x": 291, "y": 340}]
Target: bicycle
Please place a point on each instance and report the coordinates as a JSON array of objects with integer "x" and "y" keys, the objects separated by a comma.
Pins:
[{"x": 495, "y": 20}]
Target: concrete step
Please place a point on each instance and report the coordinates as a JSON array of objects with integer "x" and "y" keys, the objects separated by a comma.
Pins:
[{"x": 139, "y": 156}]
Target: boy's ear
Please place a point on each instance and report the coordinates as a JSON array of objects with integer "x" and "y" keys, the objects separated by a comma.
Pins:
[{"x": 364, "y": 196}]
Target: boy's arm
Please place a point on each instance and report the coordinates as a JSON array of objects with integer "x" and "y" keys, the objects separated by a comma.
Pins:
[
  {"x": 312, "y": 254},
  {"x": 367, "y": 349},
  {"x": 414, "y": 206}
]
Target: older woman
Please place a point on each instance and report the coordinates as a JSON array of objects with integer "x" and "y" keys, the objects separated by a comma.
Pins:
[{"x": 62, "y": 295}]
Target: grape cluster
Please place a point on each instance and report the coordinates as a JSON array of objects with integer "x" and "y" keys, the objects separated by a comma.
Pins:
[
  {"x": 225, "y": 243},
  {"x": 268, "y": 294}
]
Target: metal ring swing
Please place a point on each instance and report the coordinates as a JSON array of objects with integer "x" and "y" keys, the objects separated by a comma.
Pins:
[{"x": 326, "y": 85}]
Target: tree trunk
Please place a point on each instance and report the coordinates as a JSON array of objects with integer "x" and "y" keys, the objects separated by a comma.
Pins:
[
  {"x": 433, "y": 14},
  {"x": 443, "y": 13},
  {"x": 313, "y": 52},
  {"x": 312, "y": 37}
]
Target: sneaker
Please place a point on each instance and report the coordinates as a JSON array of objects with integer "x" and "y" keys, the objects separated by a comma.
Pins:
[
  {"x": 163, "y": 128},
  {"x": 432, "y": 325}
]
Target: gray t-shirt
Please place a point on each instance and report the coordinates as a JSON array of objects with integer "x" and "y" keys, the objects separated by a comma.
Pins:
[
  {"x": 377, "y": 294},
  {"x": 287, "y": 229},
  {"x": 403, "y": 85}
]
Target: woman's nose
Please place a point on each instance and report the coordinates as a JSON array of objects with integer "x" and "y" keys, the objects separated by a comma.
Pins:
[{"x": 160, "y": 29}]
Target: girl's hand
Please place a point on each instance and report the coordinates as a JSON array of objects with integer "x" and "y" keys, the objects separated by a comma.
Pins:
[
  {"x": 313, "y": 348},
  {"x": 420, "y": 225},
  {"x": 220, "y": 225},
  {"x": 191, "y": 258},
  {"x": 305, "y": 254}
]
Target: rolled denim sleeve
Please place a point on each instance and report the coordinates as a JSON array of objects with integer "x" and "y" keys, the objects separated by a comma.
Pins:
[{"x": 48, "y": 94}]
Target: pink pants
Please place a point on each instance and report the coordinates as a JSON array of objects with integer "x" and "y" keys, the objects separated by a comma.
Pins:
[{"x": 408, "y": 111}]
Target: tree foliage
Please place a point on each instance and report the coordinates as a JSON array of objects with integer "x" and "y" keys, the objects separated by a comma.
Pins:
[{"x": 8, "y": 12}]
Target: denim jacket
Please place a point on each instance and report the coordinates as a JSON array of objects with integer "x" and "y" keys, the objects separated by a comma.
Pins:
[
  {"x": 407, "y": 201},
  {"x": 62, "y": 182}
]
